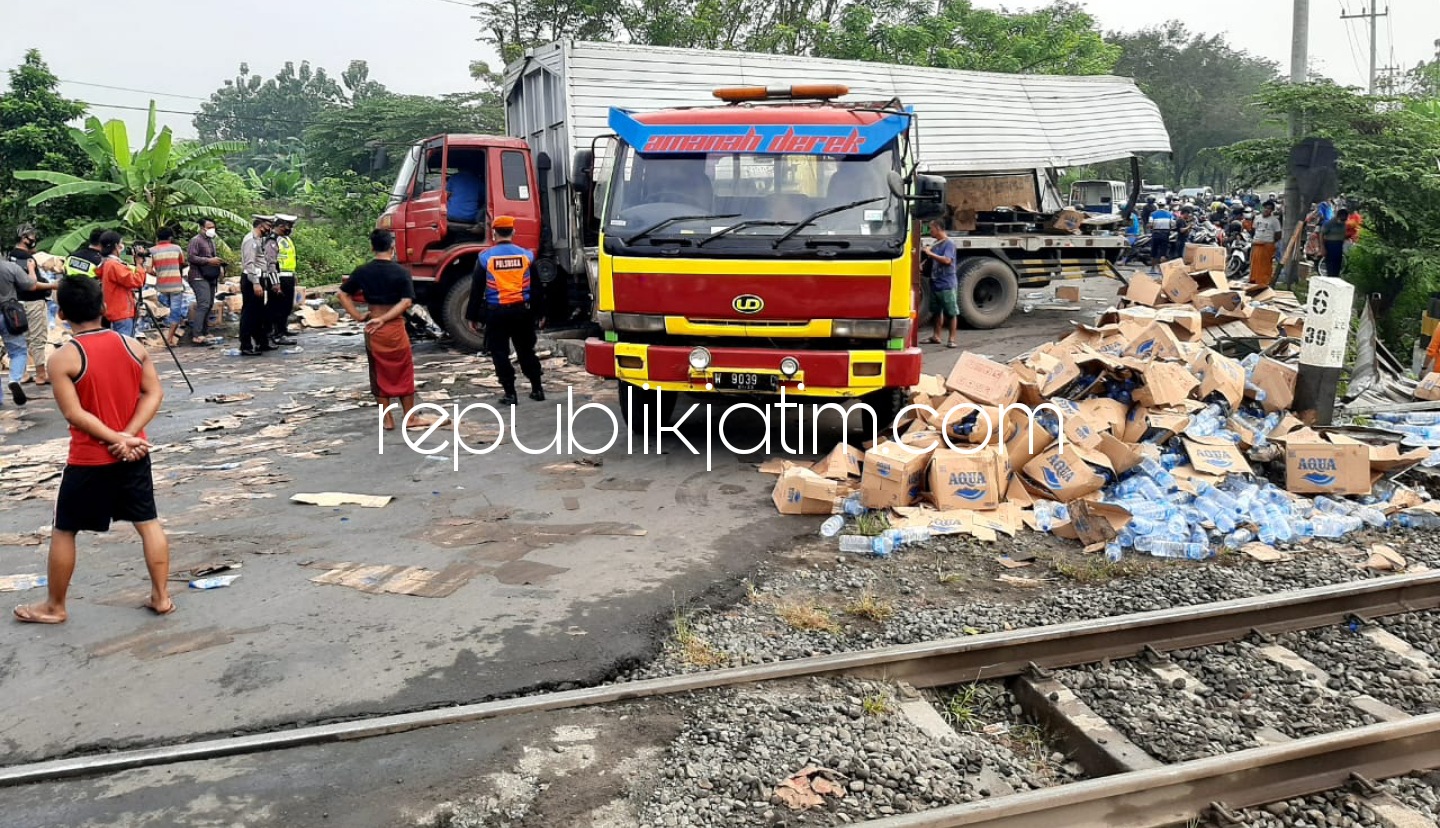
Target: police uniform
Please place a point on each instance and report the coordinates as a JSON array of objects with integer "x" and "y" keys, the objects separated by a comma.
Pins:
[
  {"x": 280, "y": 307},
  {"x": 500, "y": 298},
  {"x": 256, "y": 269}
]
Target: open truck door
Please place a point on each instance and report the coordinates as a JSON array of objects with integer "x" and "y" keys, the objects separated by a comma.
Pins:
[{"x": 425, "y": 224}]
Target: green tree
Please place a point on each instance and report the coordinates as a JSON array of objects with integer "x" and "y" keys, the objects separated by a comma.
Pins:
[
  {"x": 333, "y": 236},
  {"x": 269, "y": 113},
  {"x": 155, "y": 186},
  {"x": 346, "y": 138},
  {"x": 1204, "y": 89},
  {"x": 34, "y": 135},
  {"x": 1389, "y": 165}
]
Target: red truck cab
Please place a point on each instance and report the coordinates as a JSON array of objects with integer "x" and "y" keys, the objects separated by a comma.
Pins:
[{"x": 441, "y": 253}]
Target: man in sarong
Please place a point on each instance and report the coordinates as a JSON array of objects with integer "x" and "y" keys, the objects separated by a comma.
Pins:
[{"x": 387, "y": 292}]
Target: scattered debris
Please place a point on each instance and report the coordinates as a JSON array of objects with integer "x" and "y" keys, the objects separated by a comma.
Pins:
[
  {"x": 331, "y": 499},
  {"x": 400, "y": 580},
  {"x": 16, "y": 583},
  {"x": 809, "y": 787}
]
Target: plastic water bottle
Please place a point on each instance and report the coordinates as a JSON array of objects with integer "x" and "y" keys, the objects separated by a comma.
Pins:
[
  {"x": 292, "y": 351},
  {"x": 1156, "y": 471},
  {"x": 1418, "y": 520},
  {"x": 882, "y": 546},
  {"x": 1049, "y": 514},
  {"x": 1113, "y": 552},
  {"x": 1335, "y": 526},
  {"x": 832, "y": 526},
  {"x": 851, "y": 506},
  {"x": 1238, "y": 538},
  {"x": 1255, "y": 391},
  {"x": 1171, "y": 549},
  {"x": 907, "y": 536},
  {"x": 214, "y": 582},
  {"x": 859, "y": 544},
  {"x": 231, "y": 352},
  {"x": 1158, "y": 510}
]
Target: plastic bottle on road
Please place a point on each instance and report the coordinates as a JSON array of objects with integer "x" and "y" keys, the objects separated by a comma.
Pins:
[
  {"x": 1238, "y": 538},
  {"x": 907, "y": 536},
  {"x": 292, "y": 351},
  {"x": 1113, "y": 552},
  {"x": 1170, "y": 549},
  {"x": 231, "y": 352},
  {"x": 859, "y": 544},
  {"x": 1335, "y": 526},
  {"x": 1049, "y": 514},
  {"x": 214, "y": 582},
  {"x": 882, "y": 546},
  {"x": 851, "y": 506},
  {"x": 832, "y": 526},
  {"x": 1418, "y": 520}
]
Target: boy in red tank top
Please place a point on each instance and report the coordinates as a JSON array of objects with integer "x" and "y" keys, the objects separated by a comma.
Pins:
[{"x": 107, "y": 388}]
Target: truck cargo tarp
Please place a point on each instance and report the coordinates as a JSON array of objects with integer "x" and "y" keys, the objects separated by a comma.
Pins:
[{"x": 969, "y": 121}]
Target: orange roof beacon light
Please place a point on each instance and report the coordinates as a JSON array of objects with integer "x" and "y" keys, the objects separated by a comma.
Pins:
[{"x": 809, "y": 91}]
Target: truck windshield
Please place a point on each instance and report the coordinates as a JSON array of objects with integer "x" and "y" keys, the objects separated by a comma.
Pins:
[
  {"x": 727, "y": 201},
  {"x": 401, "y": 190}
]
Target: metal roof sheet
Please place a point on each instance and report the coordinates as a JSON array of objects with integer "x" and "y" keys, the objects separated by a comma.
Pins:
[{"x": 969, "y": 121}]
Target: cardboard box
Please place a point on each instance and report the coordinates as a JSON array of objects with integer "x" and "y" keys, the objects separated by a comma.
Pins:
[
  {"x": 1220, "y": 374},
  {"x": 842, "y": 463},
  {"x": 1096, "y": 523},
  {"x": 1211, "y": 279},
  {"x": 800, "y": 491},
  {"x": 1175, "y": 282},
  {"x": 1227, "y": 301},
  {"x": 1156, "y": 341},
  {"x": 1066, "y": 221},
  {"x": 1028, "y": 441},
  {"x": 1327, "y": 468},
  {"x": 1204, "y": 258},
  {"x": 1144, "y": 290},
  {"x": 893, "y": 475},
  {"x": 1165, "y": 384},
  {"x": 1063, "y": 474},
  {"x": 1067, "y": 293},
  {"x": 1429, "y": 388},
  {"x": 1215, "y": 455},
  {"x": 984, "y": 380},
  {"x": 1277, "y": 380},
  {"x": 969, "y": 481},
  {"x": 1265, "y": 321}
]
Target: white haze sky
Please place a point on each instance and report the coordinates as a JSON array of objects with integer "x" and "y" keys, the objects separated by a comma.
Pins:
[{"x": 425, "y": 46}]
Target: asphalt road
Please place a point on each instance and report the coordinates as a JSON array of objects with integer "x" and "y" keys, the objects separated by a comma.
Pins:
[{"x": 568, "y": 574}]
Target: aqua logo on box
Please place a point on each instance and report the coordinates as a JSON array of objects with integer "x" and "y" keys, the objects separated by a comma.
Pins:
[{"x": 972, "y": 485}]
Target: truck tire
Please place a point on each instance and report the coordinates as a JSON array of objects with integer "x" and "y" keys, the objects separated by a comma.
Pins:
[
  {"x": 643, "y": 409},
  {"x": 452, "y": 317},
  {"x": 986, "y": 292}
]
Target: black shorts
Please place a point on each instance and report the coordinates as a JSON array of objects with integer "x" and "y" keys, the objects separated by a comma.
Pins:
[{"x": 93, "y": 496}]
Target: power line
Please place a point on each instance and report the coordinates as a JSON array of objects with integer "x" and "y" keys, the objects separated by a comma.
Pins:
[
  {"x": 1372, "y": 15},
  {"x": 130, "y": 89},
  {"x": 1350, "y": 38}
]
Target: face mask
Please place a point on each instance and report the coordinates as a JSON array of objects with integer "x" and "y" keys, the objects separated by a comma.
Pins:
[{"x": 210, "y": 233}]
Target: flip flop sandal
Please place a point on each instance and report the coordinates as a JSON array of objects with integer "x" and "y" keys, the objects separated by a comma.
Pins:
[
  {"x": 951, "y": 345},
  {"x": 932, "y": 341},
  {"x": 27, "y": 618},
  {"x": 159, "y": 612}
]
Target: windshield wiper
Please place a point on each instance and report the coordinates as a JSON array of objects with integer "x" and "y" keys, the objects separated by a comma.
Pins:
[
  {"x": 669, "y": 221},
  {"x": 740, "y": 226},
  {"x": 810, "y": 219}
]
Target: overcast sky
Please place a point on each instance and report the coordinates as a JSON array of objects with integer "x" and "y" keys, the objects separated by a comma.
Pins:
[{"x": 425, "y": 46}]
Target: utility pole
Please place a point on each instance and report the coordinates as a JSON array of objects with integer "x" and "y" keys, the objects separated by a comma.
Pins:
[
  {"x": 1299, "y": 73},
  {"x": 1372, "y": 16}
]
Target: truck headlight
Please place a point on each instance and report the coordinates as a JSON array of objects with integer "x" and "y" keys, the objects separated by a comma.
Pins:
[
  {"x": 700, "y": 359},
  {"x": 861, "y": 328},
  {"x": 789, "y": 366},
  {"x": 639, "y": 323}
]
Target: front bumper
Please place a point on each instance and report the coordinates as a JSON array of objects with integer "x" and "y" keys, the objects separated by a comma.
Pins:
[{"x": 822, "y": 373}]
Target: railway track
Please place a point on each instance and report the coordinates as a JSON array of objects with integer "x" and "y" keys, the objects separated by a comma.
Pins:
[{"x": 1125, "y": 785}]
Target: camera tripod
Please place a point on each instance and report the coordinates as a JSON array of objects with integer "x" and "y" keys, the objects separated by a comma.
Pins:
[{"x": 150, "y": 314}]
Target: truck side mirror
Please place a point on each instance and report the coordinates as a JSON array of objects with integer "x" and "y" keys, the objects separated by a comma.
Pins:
[
  {"x": 582, "y": 172},
  {"x": 929, "y": 197}
]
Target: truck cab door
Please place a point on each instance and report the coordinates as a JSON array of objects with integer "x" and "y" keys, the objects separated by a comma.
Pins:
[
  {"x": 513, "y": 192},
  {"x": 425, "y": 224}
]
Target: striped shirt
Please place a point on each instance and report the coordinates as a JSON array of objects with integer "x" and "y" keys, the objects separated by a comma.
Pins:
[{"x": 168, "y": 259}]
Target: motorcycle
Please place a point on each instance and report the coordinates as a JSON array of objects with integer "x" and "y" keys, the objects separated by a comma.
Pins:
[
  {"x": 1237, "y": 256},
  {"x": 1137, "y": 253}
]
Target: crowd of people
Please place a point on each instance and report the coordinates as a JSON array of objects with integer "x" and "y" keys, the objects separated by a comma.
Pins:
[{"x": 1332, "y": 227}]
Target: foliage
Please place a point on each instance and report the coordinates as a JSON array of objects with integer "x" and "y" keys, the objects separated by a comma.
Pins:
[
  {"x": 279, "y": 184},
  {"x": 344, "y": 139},
  {"x": 34, "y": 135},
  {"x": 158, "y": 185},
  {"x": 270, "y": 114},
  {"x": 1389, "y": 149},
  {"x": 333, "y": 236},
  {"x": 1060, "y": 38},
  {"x": 1203, "y": 87}
]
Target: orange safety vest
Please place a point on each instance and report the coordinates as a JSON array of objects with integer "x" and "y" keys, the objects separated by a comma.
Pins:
[{"x": 507, "y": 274}]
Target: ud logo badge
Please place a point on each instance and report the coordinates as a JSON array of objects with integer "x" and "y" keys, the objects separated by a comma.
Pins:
[{"x": 748, "y": 303}]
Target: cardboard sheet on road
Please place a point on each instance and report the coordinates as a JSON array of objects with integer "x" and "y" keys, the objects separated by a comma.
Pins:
[
  {"x": 341, "y": 499},
  {"x": 399, "y": 580}
]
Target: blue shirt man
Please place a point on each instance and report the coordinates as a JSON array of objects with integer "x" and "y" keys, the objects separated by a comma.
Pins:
[
  {"x": 464, "y": 189},
  {"x": 943, "y": 282}
]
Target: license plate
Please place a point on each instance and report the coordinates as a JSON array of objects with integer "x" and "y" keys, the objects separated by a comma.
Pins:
[{"x": 739, "y": 381}]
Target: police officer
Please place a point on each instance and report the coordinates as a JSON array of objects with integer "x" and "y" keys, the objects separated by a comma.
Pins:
[
  {"x": 83, "y": 262},
  {"x": 500, "y": 300},
  {"x": 280, "y": 306},
  {"x": 257, "y": 276}
]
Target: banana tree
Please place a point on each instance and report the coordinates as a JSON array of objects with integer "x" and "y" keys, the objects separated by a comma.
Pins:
[{"x": 158, "y": 185}]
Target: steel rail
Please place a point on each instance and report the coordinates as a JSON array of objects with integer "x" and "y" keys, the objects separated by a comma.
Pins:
[
  {"x": 928, "y": 664},
  {"x": 1176, "y": 794}
]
